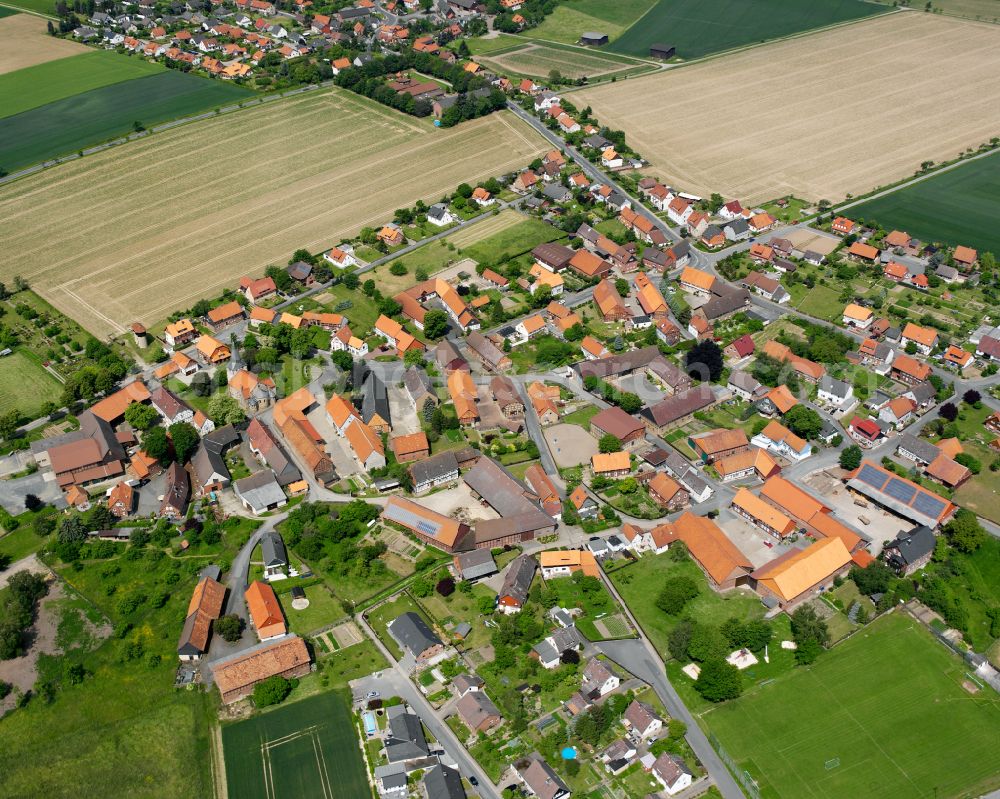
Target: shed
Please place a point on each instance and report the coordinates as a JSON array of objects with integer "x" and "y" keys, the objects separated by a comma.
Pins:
[
  {"x": 593, "y": 38},
  {"x": 662, "y": 51}
]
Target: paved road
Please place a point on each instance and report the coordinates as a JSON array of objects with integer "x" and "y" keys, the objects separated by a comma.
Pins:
[{"x": 395, "y": 682}]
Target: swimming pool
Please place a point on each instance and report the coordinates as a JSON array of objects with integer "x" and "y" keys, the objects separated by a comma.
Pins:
[
  {"x": 369, "y": 721},
  {"x": 569, "y": 753}
]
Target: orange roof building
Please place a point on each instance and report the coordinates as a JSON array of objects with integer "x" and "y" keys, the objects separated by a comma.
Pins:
[
  {"x": 611, "y": 464},
  {"x": 697, "y": 281},
  {"x": 863, "y": 251},
  {"x": 563, "y": 562},
  {"x": 265, "y": 611},
  {"x": 463, "y": 394},
  {"x": 112, "y": 408},
  {"x": 798, "y": 575},
  {"x": 754, "y": 462},
  {"x": 924, "y": 337},
  {"x": 412, "y": 447},
  {"x": 429, "y": 526},
  {"x": 782, "y": 398},
  {"x": 721, "y": 560},
  {"x": 762, "y": 515},
  {"x": 236, "y": 676},
  {"x": 212, "y": 350},
  {"x": 205, "y": 607}
]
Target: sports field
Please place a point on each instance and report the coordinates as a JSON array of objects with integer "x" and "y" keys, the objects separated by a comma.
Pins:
[
  {"x": 570, "y": 19},
  {"x": 538, "y": 60},
  {"x": 701, "y": 27},
  {"x": 817, "y": 116},
  {"x": 884, "y": 715},
  {"x": 24, "y": 42},
  {"x": 155, "y": 225},
  {"x": 306, "y": 750},
  {"x": 38, "y": 85},
  {"x": 91, "y": 117},
  {"x": 960, "y": 206}
]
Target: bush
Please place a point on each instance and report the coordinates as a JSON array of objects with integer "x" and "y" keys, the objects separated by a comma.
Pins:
[
  {"x": 675, "y": 594},
  {"x": 719, "y": 681},
  {"x": 445, "y": 587},
  {"x": 271, "y": 691}
]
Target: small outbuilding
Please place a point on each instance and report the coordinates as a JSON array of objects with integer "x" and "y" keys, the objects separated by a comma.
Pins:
[
  {"x": 593, "y": 38},
  {"x": 662, "y": 51}
]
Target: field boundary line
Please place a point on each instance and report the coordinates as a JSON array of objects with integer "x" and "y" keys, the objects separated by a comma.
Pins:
[
  {"x": 324, "y": 774},
  {"x": 21, "y": 10}
]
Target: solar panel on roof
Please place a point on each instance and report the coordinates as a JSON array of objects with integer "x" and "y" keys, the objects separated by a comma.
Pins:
[
  {"x": 426, "y": 527},
  {"x": 929, "y": 504},
  {"x": 872, "y": 476},
  {"x": 901, "y": 490}
]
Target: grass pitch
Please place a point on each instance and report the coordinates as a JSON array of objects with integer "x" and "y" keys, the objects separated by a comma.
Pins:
[
  {"x": 157, "y": 224},
  {"x": 888, "y": 704},
  {"x": 35, "y": 86},
  {"x": 960, "y": 206},
  {"x": 306, "y": 750},
  {"x": 25, "y": 385},
  {"x": 701, "y": 27}
]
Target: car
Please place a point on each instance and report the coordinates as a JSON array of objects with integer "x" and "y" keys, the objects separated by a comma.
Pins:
[
  {"x": 473, "y": 781},
  {"x": 372, "y": 695}
]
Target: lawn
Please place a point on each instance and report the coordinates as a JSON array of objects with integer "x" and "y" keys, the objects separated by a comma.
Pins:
[
  {"x": 93, "y": 116},
  {"x": 959, "y": 206},
  {"x": 362, "y": 313},
  {"x": 581, "y": 416},
  {"x": 355, "y": 661},
  {"x": 380, "y": 618},
  {"x": 594, "y": 604},
  {"x": 978, "y": 588},
  {"x": 36, "y": 86},
  {"x": 39, "y": 6},
  {"x": 323, "y": 609},
  {"x": 6, "y": 12},
  {"x": 461, "y": 607},
  {"x": 25, "y": 385},
  {"x": 822, "y": 302},
  {"x": 502, "y": 42},
  {"x": 305, "y": 749},
  {"x": 511, "y": 242},
  {"x": 867, "y": 733},
  {"x": 569, "y": 20},
  {"x": 701, "y": 27},
  {"x": 540, "y": 59},
  {"x": 640, "y": 583}
]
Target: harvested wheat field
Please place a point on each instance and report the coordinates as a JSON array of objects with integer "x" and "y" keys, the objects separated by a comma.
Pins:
[
  {"x": 541, "y": 59},
  {"x": 24, "y": 43},
  {"x": 141, "y": 230},
  {"x": 821, "y": 116}
]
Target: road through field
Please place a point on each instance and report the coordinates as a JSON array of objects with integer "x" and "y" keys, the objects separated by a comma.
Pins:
[
  {"x": 821, "y": 116},
  {"x": 135, "y": 233}
]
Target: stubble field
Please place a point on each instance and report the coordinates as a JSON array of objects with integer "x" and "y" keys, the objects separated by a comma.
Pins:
[
  {"x": 821, "y": 116},
  {"x": 139, "y": 231},
  {"x": 24, "y": 43}
]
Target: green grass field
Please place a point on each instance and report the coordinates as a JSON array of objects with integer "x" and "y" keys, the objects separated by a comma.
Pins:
[
  {"x": 639, "y": 584},
  {"x": 511, "y": 242},
  {"x": 25, "y": 385},
  {"x": 570, "y": 19},
  {"x": 93, "y": 116},
  {"x": 889, "y": 703},
  {"x": 959, "y": 206},
  {"x": 36, "y": 86},
  {"x": 701, "y": 27},
  {"x": 47, "y": 7},
  {"x": 303, "y": 750}
]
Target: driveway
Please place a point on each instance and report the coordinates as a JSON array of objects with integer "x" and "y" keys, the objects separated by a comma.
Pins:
[{"x": 42, "y": 484}]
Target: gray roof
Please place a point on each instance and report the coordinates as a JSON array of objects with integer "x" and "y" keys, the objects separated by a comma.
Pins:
[
  {"x": 947, "y": 272},
  {"x": 678, "y": 406},
  {"x": 624, "y": 363},
  {"x": 475, "y": 707},
  {"x": 442, "y": 782},
  {"x": 208, "y": 461},
  {"x": 375, "y": 400},
  {"x": 924, "y": 450},
  {"x": 406, "y": 738},
  {"x": 911, "y": 546},
  {"x": 556, "y": 191},
  {"x": 833, "y": 386},
  {"x": 519, "y": 576},
  {"x": 475, "y": 564},
  {"x": 743, "y": 380},
  {"x": 260, "y": 489},
  {"x": 437, "y": 211},
  {"x": 436, "y": 467},
  {"x": 922, "y": 392},
  {"x": 540, "y": 778},
  {"x": 587, "y": 233},
  {"x": 738, "y": 226},
  {"x": 391, "y": 775},
  {"x": 413, "y": 633},
  {"x": 507, "y": 495},
  {"x": 489, "y": 352},
  {"x": 272, "y": 548},
  {"x": 729, "y": 300},
  {"x": 597, "y": 141},
  {"x": 684, "y": 473},
  {"x": 418, "y": 383}
]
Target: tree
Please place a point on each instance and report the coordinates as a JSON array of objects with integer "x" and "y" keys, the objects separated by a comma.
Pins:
[
  {"x": 809, "y": 632},
  {"x": 445, "y": 587},
  {"x": 972, "y": 397},
  {"x": 718, "y": 681},
  {"x": 621, "y": 286},
  {"x": 970, "y": 462},
  {"x": 8, "y": 423},
  {"x": 707, "y": 643},
  {"x": 948, "y": 411},
  {"x": 803, "y": 421},
  {"x": 230, "y": 627},
  {"x": 271, "y": 691},
  {"x": 850, "y": 457},
  {"x": 156, "y": 444},
  {"x": 964, "y": 531},
  {"x": 185, "y": 439},
  {"x": 201, "y": 384},
  {"x": 629, "y": 402},
  {"x": 569, "y": 656},
  {"x": 141, "y": 417},
  {"x": 72, "y": 530},
  {"x": 875, "y": 578},
  {"x": 675, "y": 594},
  {"x": 32, "y": 502},
  {"x": 225, "y": 410},
  {"x": 704, "y": 361},
  {"x": 609, "y": 443},
  {"x": 351, "y": 281},
  {"x": 435, "y": 323},
  {"x": 398, "y": 269},
  {"x": 680, "y": 639}
]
